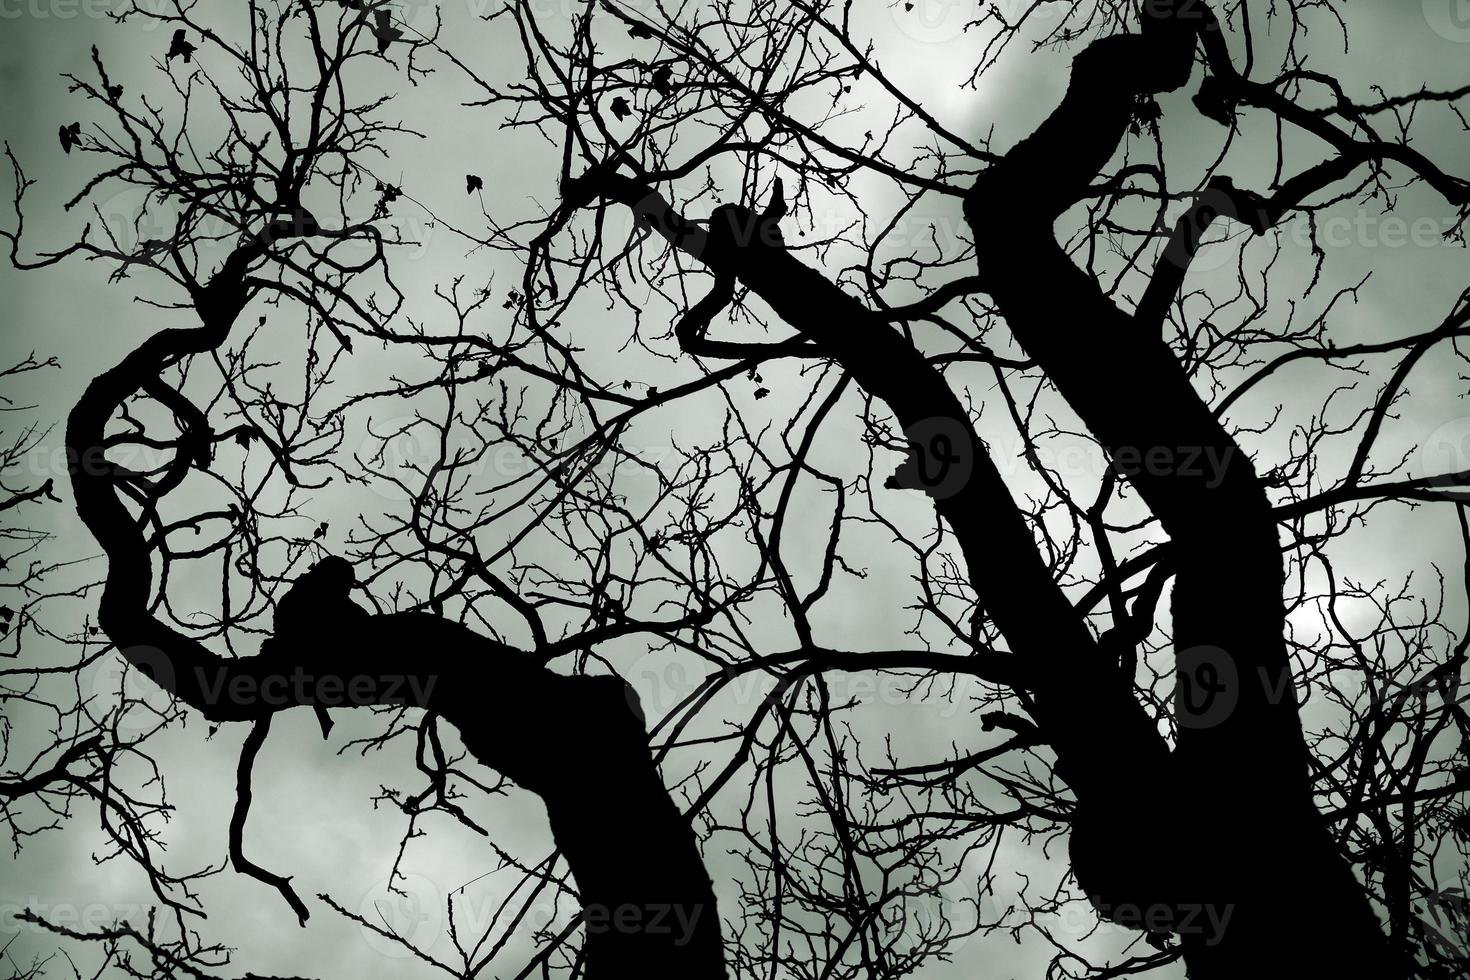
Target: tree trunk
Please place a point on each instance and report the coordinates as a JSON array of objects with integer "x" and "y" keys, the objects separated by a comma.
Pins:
[{"x": 1230, "y": 822}]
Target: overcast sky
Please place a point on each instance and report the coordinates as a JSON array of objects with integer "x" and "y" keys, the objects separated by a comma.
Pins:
[{"x": 313, "y": 816}]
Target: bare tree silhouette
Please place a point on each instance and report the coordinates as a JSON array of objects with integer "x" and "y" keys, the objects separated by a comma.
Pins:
[{"x": 703, "y": 154}]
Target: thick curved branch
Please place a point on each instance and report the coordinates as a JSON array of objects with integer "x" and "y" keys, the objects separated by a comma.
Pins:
[
  {"x": 1133, "y": 394},
  {"x": 577, "y": 742},
  {"x": 1079, "y": 691}
]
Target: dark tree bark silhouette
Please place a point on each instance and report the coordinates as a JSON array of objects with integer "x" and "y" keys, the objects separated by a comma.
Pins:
[{"x": 1173, "y": 756}]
